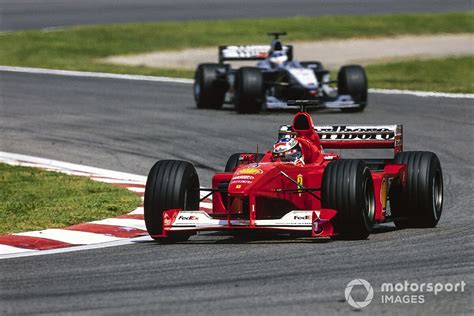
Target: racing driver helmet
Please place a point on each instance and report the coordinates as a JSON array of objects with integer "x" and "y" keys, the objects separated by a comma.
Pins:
[
  {"x": 278, "y": 57},
  {"x": 287, "y": 150}
]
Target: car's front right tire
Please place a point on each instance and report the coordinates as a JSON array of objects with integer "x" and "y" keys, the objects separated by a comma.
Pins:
[{"x": 347, "y": 187}]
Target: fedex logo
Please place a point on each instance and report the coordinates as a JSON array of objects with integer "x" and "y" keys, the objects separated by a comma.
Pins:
[
  {"x": 301, "y": 217},
  {"x": 188, "y": 218}
]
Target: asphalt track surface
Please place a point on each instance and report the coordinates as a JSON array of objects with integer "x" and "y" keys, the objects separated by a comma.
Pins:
[
  {"x": 128, "y": 125},
  {"x": 15, "y": 15}
]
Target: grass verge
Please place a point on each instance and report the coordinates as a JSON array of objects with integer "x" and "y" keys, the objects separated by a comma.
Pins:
[
  {"x": 33, "y": 199},
  {"x": 79, "y": 48},
  {"x": 454, "y": 75}
]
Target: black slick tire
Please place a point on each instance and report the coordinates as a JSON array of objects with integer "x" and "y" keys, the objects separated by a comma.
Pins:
[
  {"x": 171, "y": 184},
  {"x": 347, "y": 187},
  {"x": 249, "y": 92},
  {"x": 209, "y": 91},
  {"x": 352, "y": 80},
  {"x": 420, "y": 201},
  {"x": 234, "y": 161}
]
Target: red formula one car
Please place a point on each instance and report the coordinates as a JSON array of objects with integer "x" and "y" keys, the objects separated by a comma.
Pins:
[{"x": 324, "y": 196}]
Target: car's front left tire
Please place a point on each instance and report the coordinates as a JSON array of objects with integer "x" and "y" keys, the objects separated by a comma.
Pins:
[
  {"x": 249, "y": 92},
  {"x": 171, "y": 184}
]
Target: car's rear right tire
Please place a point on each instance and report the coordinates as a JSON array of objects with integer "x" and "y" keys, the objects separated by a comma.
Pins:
[
  {"x": 347, "y": 187},
  {"x": 352, "y": 80},
  {"x": 171, "y": 184},
  {"x": 209, "y": 91},
  {"x": 249, "y": 92}
]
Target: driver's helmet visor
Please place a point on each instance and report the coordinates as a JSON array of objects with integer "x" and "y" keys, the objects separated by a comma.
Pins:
[
  {"x": 278, "y": 57},
  {"x": 290, "y": 155}
]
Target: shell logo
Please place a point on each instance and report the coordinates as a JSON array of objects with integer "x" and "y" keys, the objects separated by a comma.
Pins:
[
  {"x": 299, "y": 179},
  {"x": 250, "y": 171},
  {"x": 383, "y": 193}
]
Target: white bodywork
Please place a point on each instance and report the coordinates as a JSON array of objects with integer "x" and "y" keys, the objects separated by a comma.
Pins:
[{"x": 304, "y": 76}]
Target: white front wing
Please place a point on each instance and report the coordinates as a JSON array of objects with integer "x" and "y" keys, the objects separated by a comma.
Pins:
[{"x": 293, "y": 220}]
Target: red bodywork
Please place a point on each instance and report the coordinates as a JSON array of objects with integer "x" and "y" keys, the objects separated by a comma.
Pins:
[{"x": 266, "y": 195}]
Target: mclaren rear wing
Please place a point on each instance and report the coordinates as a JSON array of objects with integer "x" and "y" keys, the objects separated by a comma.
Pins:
[
  {"x": 356, "y": 136},
  {"x": 249, "y": 52}
]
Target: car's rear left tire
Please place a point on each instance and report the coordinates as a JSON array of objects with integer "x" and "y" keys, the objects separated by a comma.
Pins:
[
  {"x": 352, "y": 80},
  {"x": 420, "y": 202},
  {"x": 249, "y": 91},
  {"x": 209, "y": 91},
  {"x": 171, "y": 184},
  {"x": 234, "y": 161},
  {"x": 347, "y": 187}
]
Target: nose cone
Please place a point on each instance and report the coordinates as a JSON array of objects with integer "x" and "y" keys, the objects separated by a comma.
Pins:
[{"x": 246, "y": 176}]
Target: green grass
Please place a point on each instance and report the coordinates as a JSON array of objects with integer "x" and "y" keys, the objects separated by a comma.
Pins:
[
  {"x": 79, "y": 48},
  {"x": 447, "y": 75},
  {"x": 33, "y": 199}
]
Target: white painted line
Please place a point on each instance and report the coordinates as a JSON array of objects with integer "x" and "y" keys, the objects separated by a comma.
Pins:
[
  {"x": 123, "y": 222},
  {"x": 138, "y": 210},
  {"x": 113, "y": 180},
  {"x": 70, "y": 236},
  {"x": 80, "y": 240},
  {"x": 424, "y": 93},
  {"x": 205, "y": 193},
  {"x": 77, "y": 248},
  {"x": 71, "y": 73},
  {"x": 136, "y": 190},
  {"x": 47, "y": 167},
  {"x": 206, "y": 205},
  {"x": 5, "y": 249},
  {"x": 69, "y": 167},
  {"x": 190, "y": 81}
]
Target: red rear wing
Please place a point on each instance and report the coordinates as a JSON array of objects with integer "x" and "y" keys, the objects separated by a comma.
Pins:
[{"x": 356, "y": 136}]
